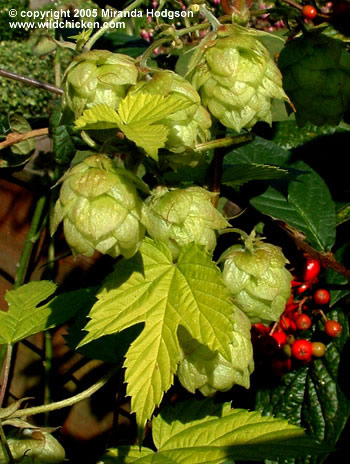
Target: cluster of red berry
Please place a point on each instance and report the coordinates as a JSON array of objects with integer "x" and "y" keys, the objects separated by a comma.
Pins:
[{"x": 284, "y": 343}]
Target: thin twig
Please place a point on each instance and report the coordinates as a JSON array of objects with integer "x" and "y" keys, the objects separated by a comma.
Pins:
[
  {"x": 6, "y": 373},
  {"x": 326, "y": 258},
  {"x": 15, "y": 137},
  {"x": 217, "y": 174},
  {"x": 67, "y": 402},
  {"x": 29, "y": 81}
]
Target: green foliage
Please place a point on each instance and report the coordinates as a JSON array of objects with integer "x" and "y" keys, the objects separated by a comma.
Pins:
[
  {"x": 16, "y": 97},
  {"x": 150, "y": 288},
  {"x": 136, "y": 118},
  {"x": 7, "y": 33},
  {"x": 28, "y": 315},
  {"x": 202, "y": 432},
  {"x": 316, "y": 77},
  {"x": 308, "y": 207}
]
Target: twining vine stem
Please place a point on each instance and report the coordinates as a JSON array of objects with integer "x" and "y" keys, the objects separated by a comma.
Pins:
[
  {"x": 89, "y": 44},
  {"x": 69, "y": 401},
  {"x": 14, "y": 137},
  {"x": 6, "y": 373}
]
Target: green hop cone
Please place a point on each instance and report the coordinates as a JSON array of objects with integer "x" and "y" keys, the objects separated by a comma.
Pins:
[
  {"x": 236, "y": 77},
  {"x": 180, "y": 216},
  {"x": 100, "y": 209},
  {"x": 256, "y": 277},
  {"x": 34, "y": 447},
  {"x": 316, "y": 77},
  {"x": 95, "y": 77},
  {"x": 207, "y": 371},
  {"x": 187, "y": 127}
]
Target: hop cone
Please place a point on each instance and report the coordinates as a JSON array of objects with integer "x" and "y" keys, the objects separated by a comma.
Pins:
[
  {"x": 236, "y": 77},
  {"x": 256, "y": 277},
  {"x": 188, "y": 126},
  {"x": 207, "y": 371},
  {"x": 316, "y": 77},
  {"x": 98, "y": 76},
  {"x": 181, "y": 216},
  {"x": 42, "y": 450},
  {"x": 100, "y": 209}
]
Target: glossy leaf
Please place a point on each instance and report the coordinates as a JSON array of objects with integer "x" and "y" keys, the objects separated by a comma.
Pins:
[
  {"x": 150, "y": 288},
  {"x": 260, "y": 151},
  {"x": 308, "y": 207},
  {"x": 239, "y": 174}
]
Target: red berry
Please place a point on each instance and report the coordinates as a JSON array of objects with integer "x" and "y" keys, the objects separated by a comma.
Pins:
[
  {"x": 312, "y": 269},
  {"x": 291, "y": 307},
  {"x": 302, "y": 350},
  {"x": 285, "y": 323},
  {"x": 318, "y": 349},
  {"x": 309, "y": 12},
  {"x": 261, "y": 328},
  {"x": 333, "y": 328},
  {"x": 280, "y": 337},
  {"x": 322, "y": 296},
  {"x": 303, "y": 322},
  {"x": 303, "y": 287}
]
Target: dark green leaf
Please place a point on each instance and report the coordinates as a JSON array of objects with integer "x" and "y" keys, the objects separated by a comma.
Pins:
[
  {"x": 336, "y": 279},
  {"x": 239, "y": 174},
  {"x": 343, "y": 214},
  {"x": 314, "y": 396},
  {"x": 308, "y": 207},
  {"x": 63, "y": 145},
  {"x": 260, "y": 151},
  {"x": 288, "y": 135}
]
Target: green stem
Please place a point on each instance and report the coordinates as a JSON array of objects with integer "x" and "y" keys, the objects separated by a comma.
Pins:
[
  {"x": 6, "y": 373},
  {"x": 67, "y": 402},
  {"x": 148, "y": 53},
  {"x": 225, "y": 142},
  {"x": 5, "y": 446},
  {"x": 189, "y": 30},
  {"x": 47, "y": 367},
  {"x": 31, "y": 239},
  {"x": 89, "y": 44},
  {"x": 215, "y": 24}
]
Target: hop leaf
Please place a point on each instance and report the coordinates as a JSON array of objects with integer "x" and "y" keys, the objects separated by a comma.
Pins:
[
  {"x": 150, "y": 288},
  {"x": 189, "y": 125}
]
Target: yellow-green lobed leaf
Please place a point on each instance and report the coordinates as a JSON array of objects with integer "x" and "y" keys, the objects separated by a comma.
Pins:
[
  {"x": 24, "y": 317},
  {"x": 150, "y": 288}
]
